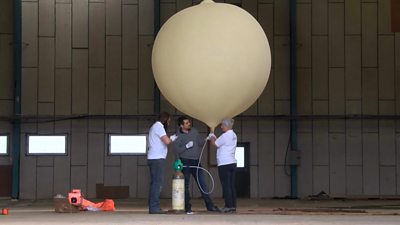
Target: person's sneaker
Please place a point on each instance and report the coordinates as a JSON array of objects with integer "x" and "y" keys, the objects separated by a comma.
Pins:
[
  {"x": 228, "y": 210},
  {"x": 189, "y": 212},
  {"x": 214, "y": 209}
]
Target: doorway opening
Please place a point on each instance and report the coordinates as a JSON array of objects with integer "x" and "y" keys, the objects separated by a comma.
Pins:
[{"x": 243, "y": 170}]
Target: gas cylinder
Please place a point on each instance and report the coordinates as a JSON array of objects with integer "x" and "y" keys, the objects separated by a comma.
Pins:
[{"x": 178, "y": 188}]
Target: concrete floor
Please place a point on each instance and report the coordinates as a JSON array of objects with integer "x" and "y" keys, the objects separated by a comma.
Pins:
[{"x": 134, "y": 211}]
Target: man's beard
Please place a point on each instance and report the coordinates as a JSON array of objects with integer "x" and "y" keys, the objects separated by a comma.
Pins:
[{"x": 165, "y": 124}]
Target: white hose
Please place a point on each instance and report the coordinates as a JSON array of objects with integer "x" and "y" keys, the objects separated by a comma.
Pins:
[{"x": 197, "y": 173}]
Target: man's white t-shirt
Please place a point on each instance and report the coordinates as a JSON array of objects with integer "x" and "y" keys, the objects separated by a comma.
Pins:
[
  {"x": 226, "y": 144},
  {"x": 157, "y": 148}
]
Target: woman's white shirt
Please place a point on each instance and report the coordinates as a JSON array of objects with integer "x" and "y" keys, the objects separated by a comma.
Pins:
[{"x": 226, "y": 144}]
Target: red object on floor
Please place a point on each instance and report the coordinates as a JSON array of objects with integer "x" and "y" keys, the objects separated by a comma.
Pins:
[
  {"x": 106, "y": 205},
  {"x": 75, "y": 198},
  {"x": 4, "y": 211}
]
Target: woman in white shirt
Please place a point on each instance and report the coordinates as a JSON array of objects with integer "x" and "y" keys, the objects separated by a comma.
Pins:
[{"x": 226, "y": 147}]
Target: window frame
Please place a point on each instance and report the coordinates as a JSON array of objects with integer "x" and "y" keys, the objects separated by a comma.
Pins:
[
  {"x": 109, "y": 153},
  {"x": 47, "y": 154},
  {"x": 7, "y": 153}
]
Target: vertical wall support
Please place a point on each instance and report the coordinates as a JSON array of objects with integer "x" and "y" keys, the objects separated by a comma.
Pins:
[
  {"x": 16, "y": 138},
  {"x": 293, "y": 97},
  {"x": 157, "y": 26}
]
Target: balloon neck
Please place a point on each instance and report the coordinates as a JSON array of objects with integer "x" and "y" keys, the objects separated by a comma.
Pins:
[
  {"x": 212, "y": 129},
  {"x": 207, "y": 1}
]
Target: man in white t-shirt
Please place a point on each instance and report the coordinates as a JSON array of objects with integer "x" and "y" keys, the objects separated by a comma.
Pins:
[
  {"x": 226, "y": 147},
  {"x": 156, "y": 154}
]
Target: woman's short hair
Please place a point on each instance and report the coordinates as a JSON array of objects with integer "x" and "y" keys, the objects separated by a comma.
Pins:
[{"x": 227, "y": 123}]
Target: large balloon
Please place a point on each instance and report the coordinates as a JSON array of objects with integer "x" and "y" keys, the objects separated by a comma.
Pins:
[{"x": 211, "y": 61}]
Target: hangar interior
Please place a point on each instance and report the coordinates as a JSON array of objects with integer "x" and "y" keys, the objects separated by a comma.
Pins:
[{"x": 83, "y": 70}]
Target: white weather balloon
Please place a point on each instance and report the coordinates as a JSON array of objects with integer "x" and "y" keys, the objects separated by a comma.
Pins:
[{"x": 211, "y": 61}]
